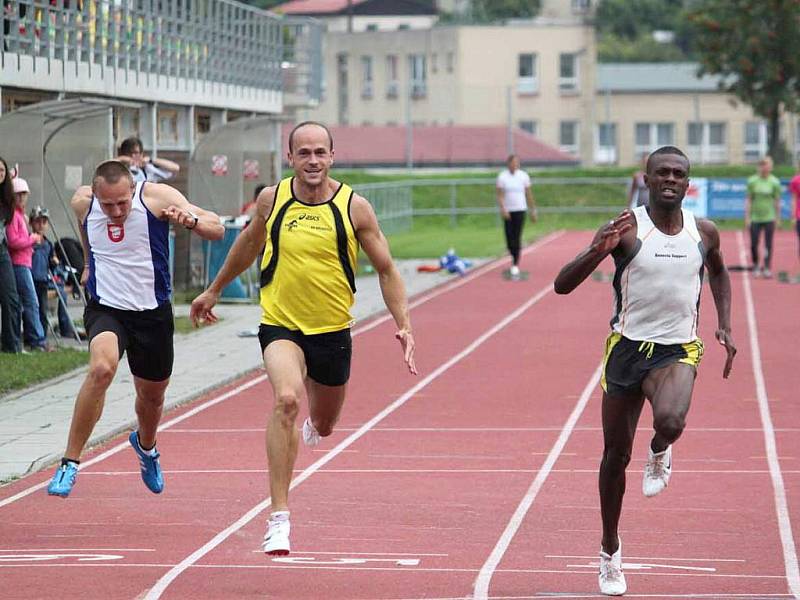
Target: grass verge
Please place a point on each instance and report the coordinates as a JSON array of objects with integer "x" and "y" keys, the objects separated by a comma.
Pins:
[
  {"x": 184, "y": 325},
  {"x": 24, "y": 370}
]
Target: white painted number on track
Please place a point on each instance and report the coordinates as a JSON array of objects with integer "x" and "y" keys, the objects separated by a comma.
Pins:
[
  {"x": 346, "y": 560},
  {"x": 56, "y": 557}
]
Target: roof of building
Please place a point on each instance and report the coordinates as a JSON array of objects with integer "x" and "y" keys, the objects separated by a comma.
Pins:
[
  {"x": 359, "y": 7},
  {"x": 654, "y": 77},
  {"x": 438, "y": 146}
]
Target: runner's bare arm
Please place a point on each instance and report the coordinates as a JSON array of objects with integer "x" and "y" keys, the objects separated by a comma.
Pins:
[
  {"x": 168, "y": 203},
  {"x": 606, "y": 240},
  {"x": 720, "y": 283},
  {"x": 376, "y": 248},
  {"x": 244, "y": 251},
  {"x": 81, "y": 201}
]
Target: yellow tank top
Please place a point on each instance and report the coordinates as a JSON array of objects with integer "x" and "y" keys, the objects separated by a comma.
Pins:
[{"x": 308, "y": 268}]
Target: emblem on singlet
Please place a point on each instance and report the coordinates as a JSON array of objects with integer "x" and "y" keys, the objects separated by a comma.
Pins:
[{"x": 116, "y": 233}]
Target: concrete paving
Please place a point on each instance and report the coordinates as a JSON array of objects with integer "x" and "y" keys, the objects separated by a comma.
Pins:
[{"x": 35, "y": 422}]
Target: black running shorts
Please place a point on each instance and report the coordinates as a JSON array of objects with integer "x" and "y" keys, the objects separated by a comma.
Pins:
[
  {"x": 627, "y": 362},
  {"x": 327, "y": 354},
  {"x": 146, "y": 335}
]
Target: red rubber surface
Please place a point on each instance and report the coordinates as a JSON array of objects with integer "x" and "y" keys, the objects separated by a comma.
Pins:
[{"x": 415, "y": 506}]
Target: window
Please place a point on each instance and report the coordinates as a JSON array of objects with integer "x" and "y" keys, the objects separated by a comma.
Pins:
[
  {"x": 343, "y": 98},
  {"x": 167, "y": 126},
  {"x": 755, "y": 140},
  {"x": 417, "y": 75},
  {"x": 665, "y": 134},
  {"x": 366, "y": 77},
  {"x": 392, "y": 84},
  {"x": 568, "y": 137},
  {"x": 581, "y": 6},
  {"x": 568, "y": 73},
  {"x": 403, "y": 27},
  {"x": 126, "y": 123},
  {"x": 372, "y": 27},
  {"x": 605, "y": 149},
  {"x": 649, "y": 136},
  {"x": 531, "y": 127},
  {"x": 707, "y": 142},
  {"x": 434, "y": 63},
  {"x": 202, "y": 123},
  {"x": 451, "y": 62},
  {"x": 527, "y": 74}
]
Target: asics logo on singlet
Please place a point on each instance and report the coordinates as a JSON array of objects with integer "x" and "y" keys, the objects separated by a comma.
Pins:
[
  {"x": 292, "y": 225},
  {"x": 308, "y": 217}
]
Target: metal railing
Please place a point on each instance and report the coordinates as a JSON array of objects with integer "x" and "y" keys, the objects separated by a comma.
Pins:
[
  {"x": 396, "y": 203},
  {"x": 302, "y": 61},
  {"x": 209, "y": 40}
]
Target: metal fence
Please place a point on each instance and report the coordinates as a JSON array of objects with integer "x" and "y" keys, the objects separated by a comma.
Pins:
[
  {"x": 207, "y": 40},
  {"x": 397, "y": 203}
]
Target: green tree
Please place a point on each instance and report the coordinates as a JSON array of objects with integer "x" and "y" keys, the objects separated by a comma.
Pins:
[
  {"x": 754, "y": 44},
  {"x": 625, "y": 30},
  {"x": 632, "y": 18},
  {"x": 614, "y": 48},
  {"x": 487, "y": 11}
]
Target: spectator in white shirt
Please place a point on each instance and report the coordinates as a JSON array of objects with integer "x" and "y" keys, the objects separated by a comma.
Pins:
[
  {"x": 142, "y": 167},
  {"x": 515, "y": 199}
]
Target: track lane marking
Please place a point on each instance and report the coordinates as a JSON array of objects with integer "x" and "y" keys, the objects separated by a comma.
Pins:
[
  {"x": 779, "y": 490},
  {"x": 437, "y": 291},
  {"x": 485, "y": 575},
  {"x": 163, "y": 583}
]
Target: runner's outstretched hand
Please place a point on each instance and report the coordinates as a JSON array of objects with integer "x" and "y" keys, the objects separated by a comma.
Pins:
[
  {"x": 201, "y": 308},
  {"x": 725, "y": 339},
  {"x": 407, "y": 342}
]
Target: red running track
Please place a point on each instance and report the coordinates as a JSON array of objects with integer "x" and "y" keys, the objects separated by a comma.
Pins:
[{"x": 475, "y": 479}]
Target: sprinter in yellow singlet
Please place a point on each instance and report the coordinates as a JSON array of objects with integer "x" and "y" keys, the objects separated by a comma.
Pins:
[{"x": 310, "y": 227}]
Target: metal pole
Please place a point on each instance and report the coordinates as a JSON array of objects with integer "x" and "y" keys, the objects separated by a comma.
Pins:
[
  {"x": 409, "y": 128},
  {"x": 154, "y": 129},
  {"x": 510, "y": 124}
]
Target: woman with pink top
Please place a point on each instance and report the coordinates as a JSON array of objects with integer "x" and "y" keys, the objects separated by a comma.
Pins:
[
  {"x": 10, "y": 310},
  {"x": 20, "y": 246}
]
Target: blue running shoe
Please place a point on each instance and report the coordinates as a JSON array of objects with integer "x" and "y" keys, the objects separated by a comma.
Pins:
[
  {"x": 63, "y": 479},
  {"x": 148, "y": 463}
]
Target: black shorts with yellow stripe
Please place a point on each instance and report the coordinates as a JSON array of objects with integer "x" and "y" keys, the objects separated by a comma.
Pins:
[{"x": 627, "y": 362}]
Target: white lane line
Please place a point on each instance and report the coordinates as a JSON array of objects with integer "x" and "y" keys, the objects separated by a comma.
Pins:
[
  {"x": 466, "y": 279},
  {"x": 394, "y": 471},
  {"x": 119, "y": 447},
  {"x": 162, "y": 584},
  {"x": 781, "y": 504},
  {"x": 78, "y": 550},
  {"x": 662, "y": 558},
  {"x": 359, "y": 330},
  {"x": 489, "y": 430},
  {"x": 485, "y": 574},
  {"x": 310, "y": 566},
  {"x": 348, "y": 553}
]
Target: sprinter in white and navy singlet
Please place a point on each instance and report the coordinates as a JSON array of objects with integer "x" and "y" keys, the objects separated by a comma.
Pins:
[
  {"x": 661, "y": 254},
  {"x": 128, "y": 262},
  {"x": 125, "y": 234}
]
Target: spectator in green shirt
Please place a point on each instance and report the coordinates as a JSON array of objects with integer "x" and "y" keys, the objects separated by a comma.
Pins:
[{"x": 762, "y": 210}]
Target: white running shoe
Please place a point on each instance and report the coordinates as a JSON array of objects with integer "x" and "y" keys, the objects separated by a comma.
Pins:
[
  {"x": 311, "y": 436},
  {"x": 611, "y": 577},
  {"x": 766, "y": 274},
  {"x": 657, "y": 471},
  {"x": 276, "y": 539}
]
